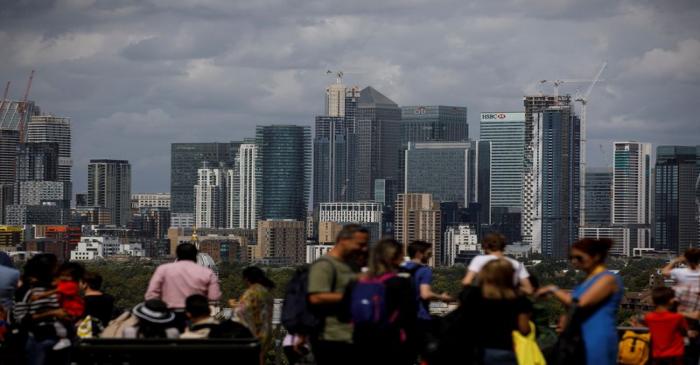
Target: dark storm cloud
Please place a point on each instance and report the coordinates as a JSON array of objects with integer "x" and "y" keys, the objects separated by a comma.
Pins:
[{"x": 136, "y": 75}]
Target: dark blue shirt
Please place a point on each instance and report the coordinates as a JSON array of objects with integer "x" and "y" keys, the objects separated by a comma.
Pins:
[{"x": 422, "y": 275}]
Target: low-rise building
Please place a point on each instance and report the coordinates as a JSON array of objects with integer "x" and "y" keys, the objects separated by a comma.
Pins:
[
  {"x": 314, "y": 251},
  {"x": 93, "y": 247},
  {"x": 458, "y": 239}
]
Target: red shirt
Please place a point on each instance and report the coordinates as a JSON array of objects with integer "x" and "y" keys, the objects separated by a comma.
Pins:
[
  {"x": 667, "y": 329},
  {"x": 69, "y": 295}
]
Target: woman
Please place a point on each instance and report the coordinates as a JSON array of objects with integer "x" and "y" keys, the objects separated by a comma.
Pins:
[
  {"x": 598, "y": 297},
  {"x": 154, "y": 320},
  {"x": 254, "y": 310},
  {"x": 499, "y": 309},
  {"x": 389, "y": 344}
]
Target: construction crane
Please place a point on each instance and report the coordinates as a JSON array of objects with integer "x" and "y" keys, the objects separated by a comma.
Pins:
[
  {"x": 4, "y": 95},
  {"x": 583, "y": 99},
  {"x": 338, "y": 76},
  {"x": 557, "y": 83},
  {"x": 22, "y": 109}
]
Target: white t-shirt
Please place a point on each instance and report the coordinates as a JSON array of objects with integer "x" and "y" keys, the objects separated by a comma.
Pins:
[
  {"x": 684, "y": 276},
  {"x": 478, "y": 263}
]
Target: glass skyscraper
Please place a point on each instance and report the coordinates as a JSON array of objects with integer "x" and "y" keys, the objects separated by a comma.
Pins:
[
  {"x": 109, "y": 186},
  {"x": 598, "y": 197},
  {"x": 433, "y": 123},
  {"x": 283, "y": 171}
]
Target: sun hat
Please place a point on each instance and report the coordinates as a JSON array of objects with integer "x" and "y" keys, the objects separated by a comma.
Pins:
[{"x": 154, "y": 311}]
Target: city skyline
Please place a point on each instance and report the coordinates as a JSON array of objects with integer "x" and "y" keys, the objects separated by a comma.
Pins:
[{"x": 146, "y": 86}]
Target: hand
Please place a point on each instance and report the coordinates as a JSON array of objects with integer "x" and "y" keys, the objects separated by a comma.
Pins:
[
  {"x": 546, "y": 290},
  {"x": 299, "y": 342},
  {"x": 233, "y": 303},
  {"x": 446, "y": 297},
  {"x": 679, "y": 259}
]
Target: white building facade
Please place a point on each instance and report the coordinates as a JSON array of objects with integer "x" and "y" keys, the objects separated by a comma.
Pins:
[
  {"x": 247, "y": 185},
  {"x": 459, "y": 238},
  {"x": 359, "y": 212},
  {"x": 155, "y": 200},
  {"x": 313, "y": 252},
  {"x": 93, "y": 247},
  {"x": 210, "y": 198}
]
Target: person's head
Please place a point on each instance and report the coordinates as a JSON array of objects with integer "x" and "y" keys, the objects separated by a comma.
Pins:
[
  {"x": 39, "y": 270},
  {"x": 154, "y": 318},
  {"x": 255, "y": 275},
  {"x": 692, "y": 257},
  {"x": 346, "y": 242},
  {"x": 186, "y": 252},
  {"x": 662, "y": 296},
  {"x": 5, "y": 260},
  {"x": 420, "y": 250},
  {"x": 385, "y": 256},
  {"x": 589, "y": 253},
  {"x": 361, "y": 237},
  {"x": 92, "y": 281},
  {"x": 493, "y": 242},
  {"x": 197, "y": 307},
  {"x": 496, "y": 280},
  {"x": 71, "y": 271}
]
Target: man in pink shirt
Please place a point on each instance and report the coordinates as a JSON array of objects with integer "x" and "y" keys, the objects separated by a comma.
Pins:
[{"x": 174, "y": 282}]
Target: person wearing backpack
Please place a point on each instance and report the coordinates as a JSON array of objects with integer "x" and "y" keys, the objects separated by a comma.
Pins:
[
  {"x": 331, "y": 340},
  {"x": 383, "y": 309},
  {"x": 420, "y": 253}
]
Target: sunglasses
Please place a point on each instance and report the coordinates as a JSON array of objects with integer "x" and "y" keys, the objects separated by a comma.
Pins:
[{"x": 578, "y": 258}]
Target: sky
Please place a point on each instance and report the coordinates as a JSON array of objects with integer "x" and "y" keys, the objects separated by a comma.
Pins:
[{"x": 135, "y": 76}]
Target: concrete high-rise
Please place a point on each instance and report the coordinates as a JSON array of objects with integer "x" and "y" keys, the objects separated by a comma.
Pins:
[
  {"x": 434, "y": 123},
  {"x": 283, "y": 171},
  {"x": 598, "y": 197},
  {"x": 51, "y": 129},
  {"x": 366, "y": 214},
  {"x": 38, "y": 162},
  {"x": 186, "y": 159},
  {"x": 506, "y": 132},
  {"x": 378, "y": 133},
  {"x": 210, "y": 198},
  {"x": 631, "y": 184},
  {"x": 248, "y": 213},
  {"x": 281, "y": 242},
  {"x": 109, "y": 186},
  {"x": 418, "y": 218},
  {"x": 9, "y": 142},
  {"x": 550, "y": 217},
  {"x": 677, "y": 173},
  {"x": 10, "y": 114}
]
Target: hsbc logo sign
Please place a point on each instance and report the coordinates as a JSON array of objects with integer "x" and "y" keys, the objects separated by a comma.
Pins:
[
  {"x": 491, "y": 116},
  {"x": 503, "y": 117}
]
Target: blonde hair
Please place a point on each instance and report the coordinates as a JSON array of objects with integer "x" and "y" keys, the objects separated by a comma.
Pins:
[
  {"x": 496, "y": 279},
  {"x": 382, "y": 256}
]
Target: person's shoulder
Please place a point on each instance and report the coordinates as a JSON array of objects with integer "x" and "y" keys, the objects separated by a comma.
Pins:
[{"x": 480, "y": 260}]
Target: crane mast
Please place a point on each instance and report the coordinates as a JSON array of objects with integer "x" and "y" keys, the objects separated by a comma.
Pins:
[{"x": 22, "y": 109}]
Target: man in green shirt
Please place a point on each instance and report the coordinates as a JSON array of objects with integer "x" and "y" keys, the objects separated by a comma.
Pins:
[{"x": 328, "y": 277}]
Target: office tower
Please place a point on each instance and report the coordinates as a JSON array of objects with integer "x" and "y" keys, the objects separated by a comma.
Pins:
[
  {"x": 330, "y": 160},
  {"x": 109, "y": 186},
  {"x": 210, "y": 197},
  {"x": 80, "y": 199},
  {"x": 433, "y": 123},
  {"x": 38, "y": 162},
  {"x": 675, "y": 206},
  {"x": 9, "y": 142},
  {"x": 366, "y": 214},
  {"x": 247, "y": 203},
  {"x": 506, "y": 132},
  {"x": 440, "y": 169},
  {"x": 631, "y": 183},
  {"x": 598, "y": 197},
  {"x": 50, "y": 129},
  {"x": 186, "y": 159},
  {"x": 281, "y": 242},
  {"x": 378, "y": 139},
  {"x": 283, "y": 171},
  {"x": 418, "y": 218},
  {"x": 552, "y": 181}
]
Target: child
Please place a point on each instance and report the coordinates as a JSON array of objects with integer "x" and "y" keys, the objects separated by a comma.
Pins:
[
  {"x": 67, "y": 289},
  {"x": 667, "y": 329}
]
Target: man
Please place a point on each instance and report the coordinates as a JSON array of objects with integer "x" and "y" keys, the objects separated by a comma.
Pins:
[
  {"x": 358, "y": 259},
  {"x": 420, "y": 253},
  {"x": 328, "y": 277},
  {"x": 494, "y": 245},
  {"x": 98, "y": 305},
  {"x": 202, "y": 325},
  {"x": 174, "y": 282}
]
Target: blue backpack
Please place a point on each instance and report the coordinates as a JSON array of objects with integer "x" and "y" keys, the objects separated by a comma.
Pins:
[{"x": 368, "y": 303}]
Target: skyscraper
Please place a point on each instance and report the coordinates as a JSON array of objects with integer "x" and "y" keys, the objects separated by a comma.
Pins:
[
  {"x": 675, "y": 206},
  {"x": 433, "y": 123},
  {"x": 551, "y": 211},
  {"x": 186, "y": 159},
  {"x": 598, "y": 197},
  {"x": 506, "y": 132},
  {"x": 9, "y": 141},
  {"x": 109, "y": 186},
  {"x": 281, "y": 242},
  {"x": 378, "y": 133},
  {"x": 418, "y": 218},
  {"x": 247, "y": 203},
  {"x": 330, "y": 160},
  {"x": 631, "y": 184},
  {"x": 10, "y": 114},
  {"x": 38, "y": 162},
  {"x": 50, "y": 129},
  {"x": 210, "y": 197},
  {"x": 283, "y": 171}
]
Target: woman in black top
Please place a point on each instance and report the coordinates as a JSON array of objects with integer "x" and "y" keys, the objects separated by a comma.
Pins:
[
  {"x": 498, "y": 311},
  {"x": 98, "y": 305},
  {"x": 390, "y": 343}
]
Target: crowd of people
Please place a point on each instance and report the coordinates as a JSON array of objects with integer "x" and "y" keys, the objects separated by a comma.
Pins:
[{"x": 360, "y": 303}]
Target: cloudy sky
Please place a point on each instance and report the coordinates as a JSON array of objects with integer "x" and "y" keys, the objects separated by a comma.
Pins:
[{"x": 137, "y": 75}]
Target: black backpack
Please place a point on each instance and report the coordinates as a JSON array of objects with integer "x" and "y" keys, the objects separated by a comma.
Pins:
[
  {"x": 298, "y": 316},
  {"x": 412, "y": 273}
]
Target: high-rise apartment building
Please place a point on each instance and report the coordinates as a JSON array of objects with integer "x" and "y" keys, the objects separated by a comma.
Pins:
[
  {"x": 598, "y": 197},
  {"x": 9, "y": 141},
  {"x": 434, "y": 123},
  {"x": 210, "y": 197},
  {"x": 677, "y": 179},
  {"x": 283, "y": 167},
  {"x": 248, "y": 214},
  {"x": 281, "y": 242},
  {"x": 378, "y": 141},
  {"x": 10, "y": 114},
  {"x": 417, "y": 217},
  {"x": 51, "y": 129},
  {"x": 506, "y": 132},
  {"x": 366, "y": 214},
  {"x": 186, "y": 159},
  {"x": 109, "y": 186},
  {"x": 38, "y": 162},
  {"x": 552, "y": 182},
  {"x": 631, "y": 184}
]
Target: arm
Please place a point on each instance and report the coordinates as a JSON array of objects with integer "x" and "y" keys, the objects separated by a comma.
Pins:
[
  {"x": 321, "y": 276},
  {"x": 424, "y": 277},
  {"x": 666, "y": 271},
  {"x": 469, "y": 278},
  {"x": 155, "y": 286},
  {"x": 526, "y": 286},
  {"x": 599, "y": 291},
  {"x": 213, "y": 290},
  {"x": 524, "y": 324},
  {"x": 325, "y": 298}
]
